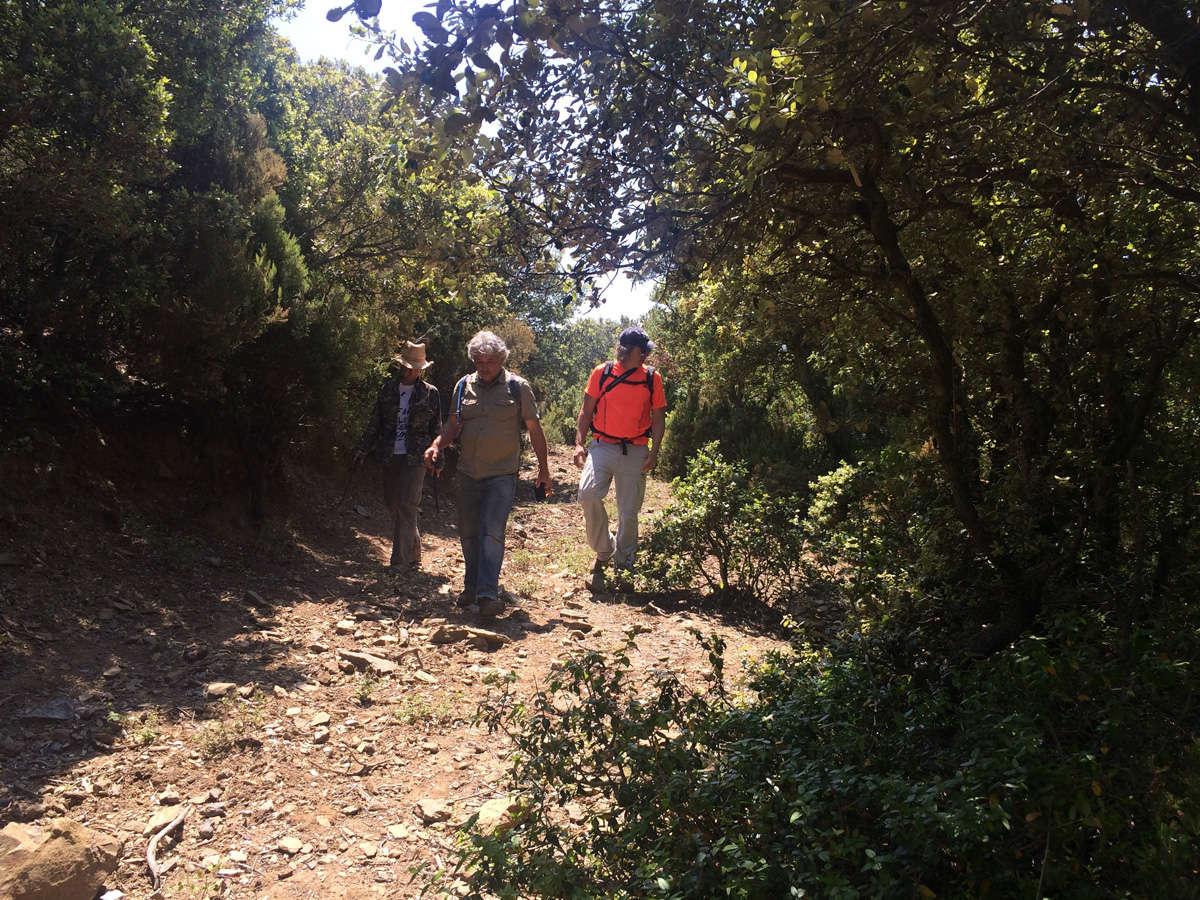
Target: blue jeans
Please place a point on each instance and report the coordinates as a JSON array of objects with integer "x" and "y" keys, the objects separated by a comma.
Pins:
[{"x": 483, "y": 508}]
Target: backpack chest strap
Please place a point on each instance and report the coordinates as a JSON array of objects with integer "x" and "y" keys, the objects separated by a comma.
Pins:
[{"x": 607, "y": 374}]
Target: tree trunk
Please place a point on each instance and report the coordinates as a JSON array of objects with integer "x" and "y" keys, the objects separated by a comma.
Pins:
[{"x": 957, "y": 444}]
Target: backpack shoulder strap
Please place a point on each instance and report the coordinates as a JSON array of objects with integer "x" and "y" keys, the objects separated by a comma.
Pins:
[
  {"x": 459, "y": 390},
  {"x": 514, "y": 391},
  {"x": 650, "y": 383},
  {"x": 605, "y": 374}
]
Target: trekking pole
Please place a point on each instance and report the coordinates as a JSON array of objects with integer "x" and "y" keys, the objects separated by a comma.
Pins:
[{"x": 437, "y": 475}]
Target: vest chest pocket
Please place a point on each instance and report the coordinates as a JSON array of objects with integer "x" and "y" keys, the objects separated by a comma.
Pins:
[
  {"x": 470, "y": 408},
  {"x": 505, "y": 411},
  {"x": 503, "y": 401}
]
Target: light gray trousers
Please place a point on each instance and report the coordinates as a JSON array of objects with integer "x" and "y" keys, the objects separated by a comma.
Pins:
[{"x": 606, "y": 465}]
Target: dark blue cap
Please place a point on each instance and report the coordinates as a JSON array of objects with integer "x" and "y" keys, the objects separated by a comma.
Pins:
[{"x": 636, "y": 337}]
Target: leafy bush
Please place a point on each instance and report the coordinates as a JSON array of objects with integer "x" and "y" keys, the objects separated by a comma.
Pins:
[
  {"x": 742, "y": 394},
  {"x": 746, "y": 428},
  {"x": 881, "y": 524},
  {"x": 725, "y": 532},
  {"x": 1059, "y": 768}
]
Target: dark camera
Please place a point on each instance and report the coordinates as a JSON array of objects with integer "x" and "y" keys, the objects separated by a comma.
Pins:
[{"x": 539, "y": 492}]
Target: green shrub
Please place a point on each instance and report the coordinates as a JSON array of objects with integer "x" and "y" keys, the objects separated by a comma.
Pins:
[
  {"x": 1059, "y": 768},
  {"x": 761, "y": 431},
  {"x": 881, "y": 523},
  {"x": 725, "y": 532}
]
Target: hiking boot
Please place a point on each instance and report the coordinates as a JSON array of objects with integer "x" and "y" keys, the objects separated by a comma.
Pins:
[
  {"x": 466, "y": 598},
  {"x": 490, "y": 607},
  {"x": 597, "y": 577}
]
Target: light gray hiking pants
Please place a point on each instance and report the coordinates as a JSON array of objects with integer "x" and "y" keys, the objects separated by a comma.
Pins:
[{"x": 605, "y": 465}]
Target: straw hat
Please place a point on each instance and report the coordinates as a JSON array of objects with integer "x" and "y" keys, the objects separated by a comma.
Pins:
[{"x": 413, "y": 356}]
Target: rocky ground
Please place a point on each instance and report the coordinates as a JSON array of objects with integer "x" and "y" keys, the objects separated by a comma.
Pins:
[{"x": 309, "y": 711}]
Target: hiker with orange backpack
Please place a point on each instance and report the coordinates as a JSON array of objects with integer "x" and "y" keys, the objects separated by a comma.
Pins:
[
  {"x": 487, "y": 410},
  {"x": 625, "y": 408}
]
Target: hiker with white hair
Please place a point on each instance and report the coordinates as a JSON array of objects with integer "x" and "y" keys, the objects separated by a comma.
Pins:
[{"x": 487, "y": 410}]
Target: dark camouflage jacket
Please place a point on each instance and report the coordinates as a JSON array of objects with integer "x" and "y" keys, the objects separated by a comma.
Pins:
[{"x": 424, "y": 422}]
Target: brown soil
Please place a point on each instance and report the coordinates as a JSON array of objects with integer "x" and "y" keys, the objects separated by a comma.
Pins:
[{"x": 113, "y": 627}]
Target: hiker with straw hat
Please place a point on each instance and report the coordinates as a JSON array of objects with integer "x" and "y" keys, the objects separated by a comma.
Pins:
[{"x": 407, "y": 416}]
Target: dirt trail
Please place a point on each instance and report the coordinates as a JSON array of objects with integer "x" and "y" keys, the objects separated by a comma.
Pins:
[{"x": 312, "y": 707}]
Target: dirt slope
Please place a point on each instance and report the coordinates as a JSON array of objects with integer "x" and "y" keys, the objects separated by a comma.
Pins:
[{"x": 148, "y": 666}]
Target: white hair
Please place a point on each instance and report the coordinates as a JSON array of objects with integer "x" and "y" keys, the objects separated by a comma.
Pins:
[{"x": 487, "y": 343}]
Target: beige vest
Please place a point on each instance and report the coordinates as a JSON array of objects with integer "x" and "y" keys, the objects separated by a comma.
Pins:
[{"x": 491, "y": 425}]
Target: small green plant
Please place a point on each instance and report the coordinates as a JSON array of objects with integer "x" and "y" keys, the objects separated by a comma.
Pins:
[
  {"x": 528, "y": 586},
  {"x": 148, "y": 730},
  {"x": 202, "y": 884},
  {"x": 367, "y": 686},
  {"x": 415, "y": 710},
  {"x": 111, "y": 726},
  {"x": 522, "y": 560},
  {"x": 234, "y": 727},
  {"x": 217, "y": 740}
]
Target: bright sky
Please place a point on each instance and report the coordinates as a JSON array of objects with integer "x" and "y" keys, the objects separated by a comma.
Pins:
[{"x": 314, "y": 36}]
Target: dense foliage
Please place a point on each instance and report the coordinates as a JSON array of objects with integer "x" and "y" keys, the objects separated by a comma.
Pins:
[{"x": 847, "y": 775}]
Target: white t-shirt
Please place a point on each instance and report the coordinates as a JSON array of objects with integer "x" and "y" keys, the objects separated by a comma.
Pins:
[{"x": 404, "y": 392}]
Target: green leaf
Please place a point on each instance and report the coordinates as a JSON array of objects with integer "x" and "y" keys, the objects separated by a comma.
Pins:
[
  {"x": 483, "y": 61},
  {"x": 431, "y": 26}
]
